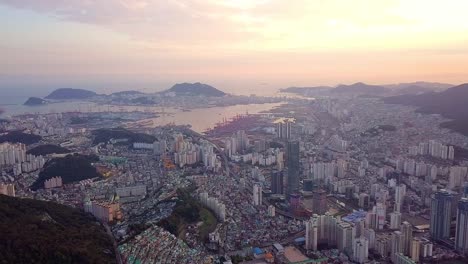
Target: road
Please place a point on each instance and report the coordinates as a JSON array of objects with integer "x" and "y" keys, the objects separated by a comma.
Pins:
[{"x": 114, "y": 243}]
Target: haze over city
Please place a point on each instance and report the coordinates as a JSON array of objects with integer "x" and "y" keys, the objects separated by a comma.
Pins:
[
  {"x": 234, "y": 131},
  {"x": 237, "y": 44}
]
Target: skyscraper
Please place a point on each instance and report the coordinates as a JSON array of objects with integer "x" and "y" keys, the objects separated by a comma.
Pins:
[
  {"x": 319, "y": 202},
  {"x": 292, "y": 153},
  {"x": 397, "y": 245},
  {"x": 407, "y": 232},
  {"x": 461, "y": 234},
  {"x": 277, "y": 182},
  {"x": 311, "y": 233},
  {"x": 360, "y": 250},
  {"x": 257, "y": 194},
  {"x": 441, "y": 214}
]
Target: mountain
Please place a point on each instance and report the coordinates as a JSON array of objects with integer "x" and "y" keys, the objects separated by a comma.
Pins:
[
  {"x": 33, "y": 101},
  {"x": 360, "y": 88},
  {"x": 35, "y": 231},
  {"x": 70, "y": 93},
  {"x": 450, "y": 103},
  {"x": 195, "y": 89},
  {"x": 295, "y": 89},
  {"x": 431, "y": 86}
]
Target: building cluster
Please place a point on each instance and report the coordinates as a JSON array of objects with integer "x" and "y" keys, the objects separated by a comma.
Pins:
[
  {"x": 15, "y": 155},
  {"x": 283, "y": 128},
  {"x": 434, "y": 149},
  {"x": 237, "y": 143},
  {"x": 189, "y": 153},
  {"x": 103, "y": 210},
  {"x": 137, "y": 190},
  {"x": 7, "y": 189},
  {"x": 53, "y": 182},
  {"x": 215, "y": 205}
]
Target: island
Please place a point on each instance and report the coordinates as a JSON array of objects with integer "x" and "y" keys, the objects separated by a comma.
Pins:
[
  {"x": 70, "y": 93},
  {"x": 33, "y": 101},
  {"x": 195, "y": 89},
  {"x": 35, "y": 231}
]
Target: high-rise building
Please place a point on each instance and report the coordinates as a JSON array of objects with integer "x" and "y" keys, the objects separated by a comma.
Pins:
[
  {"x": 395, "y": 220},
  {"x": 360, "y": 250},
  {"x": 283, "y": 129},
  {"x": 345, "y": 234},
  {"x": 257, "y": 194},
  {"x": 400, "y": 192},
  {"x": 277, "y": 182},
  {"x": 441, "y": 214},
  {"x": 415, "y": 250},
  {"x": 311, "y": 234},
  {"x": 461, "y": 234},
  {"x": 397, "y": 245},
  {"x": 364, "y": 200},
  {"x": 319, "y": 201},
  {"x": 407, "y": 232},
  {"x": 7, "y": 189},
  {"x": 293, "y": 167},
  {"x": 271, "y": 210}
]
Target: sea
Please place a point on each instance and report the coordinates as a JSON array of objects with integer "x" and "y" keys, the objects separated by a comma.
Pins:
[{"x": 200, "y": 119}]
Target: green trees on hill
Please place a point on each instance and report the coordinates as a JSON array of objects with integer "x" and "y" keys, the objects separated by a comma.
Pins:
[
  {"x": 71, "y": 168},
  {"x": 34, "y": 231}
]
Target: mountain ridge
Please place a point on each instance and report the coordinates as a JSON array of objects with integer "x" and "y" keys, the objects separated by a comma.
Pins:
[
  {"x": 70, "y": 93},
  {"x": 195, "y": 89}
]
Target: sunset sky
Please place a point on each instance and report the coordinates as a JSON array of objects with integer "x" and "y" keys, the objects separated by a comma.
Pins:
[{"x": 49, "y": 43}]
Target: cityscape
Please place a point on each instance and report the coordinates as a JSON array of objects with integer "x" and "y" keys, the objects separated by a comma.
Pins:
[{"x": 216, "y": 132}]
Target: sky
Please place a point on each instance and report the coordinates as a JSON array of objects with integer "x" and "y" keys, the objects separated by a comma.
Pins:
[{"x": 237, "y": 45}]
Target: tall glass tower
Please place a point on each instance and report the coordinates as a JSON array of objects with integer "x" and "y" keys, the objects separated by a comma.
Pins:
[
  {"x": 441, "y": 215},
  {"x": 461, "y": 235},
  {"x": 292, "y": 162}
]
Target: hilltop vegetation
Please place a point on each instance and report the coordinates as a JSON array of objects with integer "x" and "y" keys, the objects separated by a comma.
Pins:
[
  {"x": 450, "y": 103},
  {"x": 20, "y": 137},
  {"x": 71, "y": 168},
  {"x": 33, "y": 101},
  {"x": 70, "y": 93},
  {"x": 47, "y": 149},
  {"x": 106, "y": 134},
  {"x": 195, "y": 89},
  {"x": 187, "y": 211},
  {"x": 35, "y": 231}
]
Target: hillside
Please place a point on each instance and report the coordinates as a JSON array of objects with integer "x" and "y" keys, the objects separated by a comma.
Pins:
[
  {"x": 70, "y": 93},
  {"x": 104, "y": 135},
  {"x": 35, "y": 231},
  {"x": 33, "y": 101},
  {"x": 72, "y": 168},
  {"x": 450, "y": 103},
  {"x": 427, "y": 86},
  {"x": 195, "y": 89},
  {"x": 47, "y": 149},
  {"x": 360, "y": 88},
  {"x": 20, "y": 137},
  {"x": 127, "y": 93}
]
